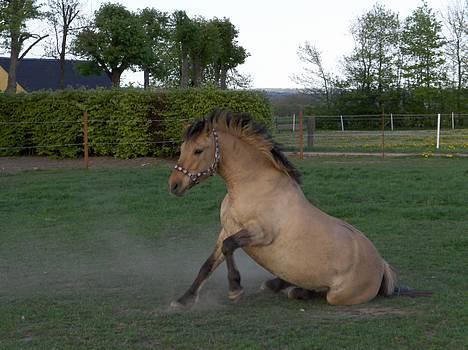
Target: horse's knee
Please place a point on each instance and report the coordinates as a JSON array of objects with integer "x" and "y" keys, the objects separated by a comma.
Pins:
[{"x": 229, "y": 245}]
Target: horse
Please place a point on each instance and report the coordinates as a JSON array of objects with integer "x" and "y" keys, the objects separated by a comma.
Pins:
[{"x": 267, "y": 215}]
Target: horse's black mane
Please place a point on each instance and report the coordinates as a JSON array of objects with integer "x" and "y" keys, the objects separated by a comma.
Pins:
[{"x": 244, "y": 121}]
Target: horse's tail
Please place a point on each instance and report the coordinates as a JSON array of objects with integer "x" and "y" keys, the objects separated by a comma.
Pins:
[
  {"x": 389, "y": 280},
  {"x": 390, "y": 287}
]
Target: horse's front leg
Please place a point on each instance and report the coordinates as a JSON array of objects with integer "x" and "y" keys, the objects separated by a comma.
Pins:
[
  {"x": 215, "y": 259},
  {"x": 240, "y": 239}
]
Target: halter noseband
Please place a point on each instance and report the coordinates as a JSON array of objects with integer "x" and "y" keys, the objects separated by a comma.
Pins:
[{"x": 195, "y": 177}]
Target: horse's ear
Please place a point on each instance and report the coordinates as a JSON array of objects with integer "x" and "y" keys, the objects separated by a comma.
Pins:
[{"x": 186, "y": 127}]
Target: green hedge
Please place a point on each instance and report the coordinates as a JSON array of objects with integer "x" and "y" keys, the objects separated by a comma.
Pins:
[{"x": 123, "y": 123}]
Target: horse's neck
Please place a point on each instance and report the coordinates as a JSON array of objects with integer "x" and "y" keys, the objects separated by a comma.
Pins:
[{"x": 243, "y": 167}]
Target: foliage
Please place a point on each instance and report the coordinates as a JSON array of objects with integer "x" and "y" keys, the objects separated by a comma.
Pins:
[
  {"x": 394, "y": 68},
  {"x": 203, "y": 52},
  {"x": 14, "y": 33},
  {"x": 115, "y": 41},
  {"x": 372, "y": 65},
  {"x": 314, "y": 76},
  {"x": 124, "y": 123},
  {"x": 154, "y": 61},
  {"x": 63, "y": 16},
  {"x": 422, "y": 49},
  {"x": 13, "y": 17}
]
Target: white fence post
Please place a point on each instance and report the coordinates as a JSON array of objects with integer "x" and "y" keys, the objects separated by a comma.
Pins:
[
  {"x": 294, "y": 122},
  {"x": 453, "y": 121},
  {"x": 438, "y": 131},
  {"x": 391, "y": 120},
  {"x": 342, "y": 125}
]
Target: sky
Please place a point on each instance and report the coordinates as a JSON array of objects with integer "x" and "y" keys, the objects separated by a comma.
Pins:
[{"x": 271, "y": 31}]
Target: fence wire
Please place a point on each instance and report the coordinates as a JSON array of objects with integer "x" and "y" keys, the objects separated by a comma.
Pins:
[{"x": 345, "y": 133}]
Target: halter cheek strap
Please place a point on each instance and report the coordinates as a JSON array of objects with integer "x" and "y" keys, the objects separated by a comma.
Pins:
[{"x": 195, "y": 177}]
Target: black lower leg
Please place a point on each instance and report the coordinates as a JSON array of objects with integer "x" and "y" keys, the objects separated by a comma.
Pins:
[
  {"x": 229, "y": 245},
  {"x": 191, "y": 294},
  {"x": 234, "y": 277},
  {"x": 277, "y": 284},
  {"x": 304, "y": 294}
]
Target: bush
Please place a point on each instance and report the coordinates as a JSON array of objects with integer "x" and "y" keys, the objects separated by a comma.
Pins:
[{"x": 123, "y": 123}]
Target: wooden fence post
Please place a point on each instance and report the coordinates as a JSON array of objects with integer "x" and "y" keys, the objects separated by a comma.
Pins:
[
  {"x": 85, "y": 139},
  {"x": 301, "y": 141}
]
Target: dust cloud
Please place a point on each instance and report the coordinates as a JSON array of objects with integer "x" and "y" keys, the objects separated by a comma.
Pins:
[{"x": 119, "y": 265}]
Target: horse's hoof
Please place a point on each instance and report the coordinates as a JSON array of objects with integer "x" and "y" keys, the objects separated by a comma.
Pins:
[
  {"x": 264, "y": 286},
  {"x": 235, "y": 295},
  {"x": 290, "y": 292},
  {"x": 298, "y": 293},
  {"x": 176, "y": 305},
  {"x": 182, "y": 304}
]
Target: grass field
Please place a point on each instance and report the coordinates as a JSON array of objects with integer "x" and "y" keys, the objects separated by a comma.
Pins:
[{"x": 91, "y": 260}]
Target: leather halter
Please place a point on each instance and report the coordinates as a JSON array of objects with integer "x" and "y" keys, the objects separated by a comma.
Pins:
[{"x": 195, "y": 177}]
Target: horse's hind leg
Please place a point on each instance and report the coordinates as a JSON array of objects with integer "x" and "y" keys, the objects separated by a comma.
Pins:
[
  {"x": 275, "y": 284},
  {"x": 303, "y": 294}
]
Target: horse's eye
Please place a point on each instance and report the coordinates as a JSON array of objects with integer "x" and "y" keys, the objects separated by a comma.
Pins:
[{"x": 198, "y": 151}]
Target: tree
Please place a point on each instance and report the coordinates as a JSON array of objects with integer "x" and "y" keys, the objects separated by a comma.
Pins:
[
  {"x": 421, "y": 46},
  {"x": 204, "y": 48},
  {"x": 62, "y": 16},
  {"x": 207, "y": 51},
  {"x": 372, "y": 65},
  {"x": 456, "y": 21},
  {"x": 14, "y": 15},
  {"x": 155, "y": 24},
  {"x": 314, "y": 76},
  {"x": 183, "y": 36},
  {"x": 113, "y": 42},
  {"x": 230, "y": 54}
]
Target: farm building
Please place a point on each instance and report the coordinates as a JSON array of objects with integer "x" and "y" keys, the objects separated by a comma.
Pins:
[{"x": 44, "y": 74}]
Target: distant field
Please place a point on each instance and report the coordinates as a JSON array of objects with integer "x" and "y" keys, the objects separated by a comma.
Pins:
[{"x": 91, "y": 260}]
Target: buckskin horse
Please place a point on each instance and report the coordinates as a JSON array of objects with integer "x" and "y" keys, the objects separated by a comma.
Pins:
[{"x": 267, "y": 215}]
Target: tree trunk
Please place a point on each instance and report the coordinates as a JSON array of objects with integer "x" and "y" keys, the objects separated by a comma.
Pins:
[
  {"x": 62, "y": 70},
  {"x": 146, "y": 78},
  {"x": 11, "y": 85},
  {"x": 197, "y": 72},
  {"x": 217, "y": 75},
  {"x": 223, "y": 78},
  {"x": 184, "y": 69},
  {"x": 115, "y": 78},
  {"x": 62, "y": 61}
]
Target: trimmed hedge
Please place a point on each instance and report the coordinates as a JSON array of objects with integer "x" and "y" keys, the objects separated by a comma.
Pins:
[{"x": 123, "y": 123}]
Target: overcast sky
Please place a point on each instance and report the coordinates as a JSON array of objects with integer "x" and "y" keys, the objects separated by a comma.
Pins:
[{"x": 271, "y": 31}]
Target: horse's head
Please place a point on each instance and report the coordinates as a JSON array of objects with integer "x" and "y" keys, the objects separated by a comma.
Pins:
[{"x": 199, "y": 157}]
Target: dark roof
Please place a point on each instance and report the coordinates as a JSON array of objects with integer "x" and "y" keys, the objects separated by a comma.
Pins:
[{"x": 44, "y": 74}]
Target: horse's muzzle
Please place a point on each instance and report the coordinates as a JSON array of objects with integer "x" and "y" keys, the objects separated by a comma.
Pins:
[
  {"x": 178, "y": 184},
  {"x": 176, "y": 188}
]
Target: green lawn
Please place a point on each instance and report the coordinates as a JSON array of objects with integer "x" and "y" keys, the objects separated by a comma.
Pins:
[{"x": 91, "y": 260}]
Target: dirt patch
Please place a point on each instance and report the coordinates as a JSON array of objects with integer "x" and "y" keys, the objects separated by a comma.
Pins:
[{"x": 17, "y": 164}]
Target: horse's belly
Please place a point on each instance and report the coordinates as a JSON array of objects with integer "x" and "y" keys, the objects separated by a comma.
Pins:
[{"x": 294, "y": 270}]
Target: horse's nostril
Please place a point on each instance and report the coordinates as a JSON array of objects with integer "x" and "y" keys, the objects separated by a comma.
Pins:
[{"x": 174, "y": 187}]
